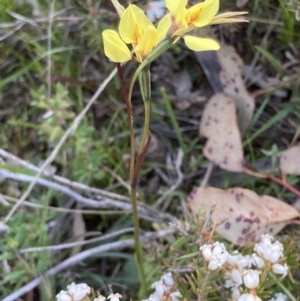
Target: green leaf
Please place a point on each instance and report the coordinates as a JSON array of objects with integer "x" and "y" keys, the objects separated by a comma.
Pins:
[
  {"x": 16, "y": 276},
  {"x": 272, "y": 59}
]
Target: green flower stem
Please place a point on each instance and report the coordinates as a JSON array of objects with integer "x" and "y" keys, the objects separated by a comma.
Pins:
[
  {"x": 138, "y": 246},
  {"x": 143, "y": 73},
  {"x": 133, "y": 180}
]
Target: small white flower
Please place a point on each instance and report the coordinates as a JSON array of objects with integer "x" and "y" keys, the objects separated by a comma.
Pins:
[
  {"x": 168, "y": 279},
  {"x": 159, "y": 287},
  {"x": 281, "y": 269},
  {"x": 279, "y": 297},
  {"x": 114, "y": 297},
  {"x": 239, "y": 260},
  {"x": 176, "y": 296},
  {"x": 244, "y": 262},
  {"x": 248, "y": 297},
  {"x": 236, "y": 277},
  {"x": 219, "y": 252},
  {"x": 155, "y": 10},
  {"x": 235, "y": 293},
  {"x": 63, "y": 296},
  {"x": 271, "y": 252},
  {"x": 213, "y": 265},
  {"x": 206, "y": 252},
  {"x": 251, "y": 278},
  {"x": 78, "y": 291},
  {"x": 229, "y": 283},
  {"x": 216, "y": 254},
  {"x": 100, "y": 298},
  {"x": 219, "y": 248},
  {"x": 72, "y": 288},
  {"x": 233, "y": 278},
  {"x": 266, "y": 238},
  {"x": 257, "y": 261},
  {"x": 153, "y": 297}
]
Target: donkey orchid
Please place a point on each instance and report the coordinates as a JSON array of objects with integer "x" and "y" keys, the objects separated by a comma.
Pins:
[
  {"x": 135, "y": 29},
  {"x": 181, "y": 20}
]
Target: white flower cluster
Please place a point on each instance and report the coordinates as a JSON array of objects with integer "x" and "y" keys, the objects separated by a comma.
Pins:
[
  {"x": 78, "y": 292},
  {"x": 75, "y": 292},
  {"x": 215, "y": 254},
  {"x": 165, "y": 289},
  {"x": 243, "y": 272}
]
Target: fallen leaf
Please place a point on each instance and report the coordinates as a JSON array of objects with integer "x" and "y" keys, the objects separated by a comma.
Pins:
[
  {"x": 219, "y": 126},
  {"x": 290, "y": 161},
  {"x": 242, "y": 216},
  {"x": 233, "y": 84}
]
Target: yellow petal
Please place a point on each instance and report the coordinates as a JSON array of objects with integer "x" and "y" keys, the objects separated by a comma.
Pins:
[
  {"x": 163, "y": 26},
  {"x": 200, "y": 44},
  {"x": 133, "y": 24},
  {"x": 147, "y": 43},
  {"x": 231, "y": 14},
  {"x": 118, "y": 7},
  {"x": 114, "y": 48},
  {"x": 175, "y": 5},
  {"x": 178, "y": 12},
  {"x": 201, "y": 14},
  {"x": 229, "y": 18}
]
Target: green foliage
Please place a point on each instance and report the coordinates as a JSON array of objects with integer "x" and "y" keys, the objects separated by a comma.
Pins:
[{"x": 25, "y": 231}]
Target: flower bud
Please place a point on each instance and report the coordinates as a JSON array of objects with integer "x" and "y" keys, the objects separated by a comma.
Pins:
[
  {"x": 281, "y": 269},
  {"x": 251, "y": 279},
  {"x": 206, "y": 251}
]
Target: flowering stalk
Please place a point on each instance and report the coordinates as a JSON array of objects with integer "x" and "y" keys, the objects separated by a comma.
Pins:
[{"x": 133, "y": 179}]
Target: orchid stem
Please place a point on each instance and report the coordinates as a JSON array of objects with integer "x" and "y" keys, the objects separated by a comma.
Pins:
[{"x": 135, "y": 171}]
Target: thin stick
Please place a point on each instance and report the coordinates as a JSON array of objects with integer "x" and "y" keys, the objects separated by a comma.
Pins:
[
  {"x": 77, "y": 243},
  {"x": 104, "y": 203},
  {"x": 62, "y": 180},
  {"x": 272, "y": 178},
  {"x": 63, "y": 139}
]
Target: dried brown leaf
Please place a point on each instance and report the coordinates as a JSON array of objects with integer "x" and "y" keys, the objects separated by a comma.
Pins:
[
  {"x": 233, "y": 84},
  {"x": 242, "y": 216},
  {"x": 290, "y": 160},
  {"x": 218, "y": 125}
]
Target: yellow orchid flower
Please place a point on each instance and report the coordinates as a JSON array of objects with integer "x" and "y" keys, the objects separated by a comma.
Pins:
[
  {"x": 135, "y": 29},
  {"x": 181, "y": 20}
]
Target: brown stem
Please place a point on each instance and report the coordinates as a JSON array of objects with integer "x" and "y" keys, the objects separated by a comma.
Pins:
[
  {"x": 140, "y": 159},
  {"x": 281, "y": 182},
  {"x": 130, "y": 118}
]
